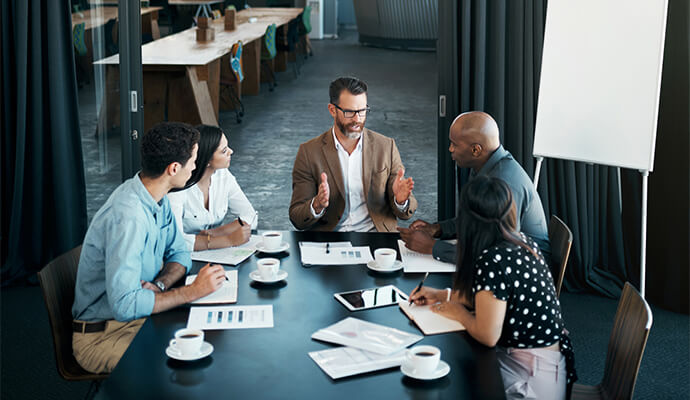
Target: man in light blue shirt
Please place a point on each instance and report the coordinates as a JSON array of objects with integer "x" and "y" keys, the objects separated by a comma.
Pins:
[
  {"x": 133, "y": 252},
  {"x": 475, "y": 144}
]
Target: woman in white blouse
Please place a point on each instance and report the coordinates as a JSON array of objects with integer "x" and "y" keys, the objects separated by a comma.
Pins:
[{"x": 210, "y": 194}]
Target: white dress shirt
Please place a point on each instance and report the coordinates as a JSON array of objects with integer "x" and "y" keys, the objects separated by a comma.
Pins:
[
  {"x": 355, "y": 216},
  {"x": 225, "y": 198}
]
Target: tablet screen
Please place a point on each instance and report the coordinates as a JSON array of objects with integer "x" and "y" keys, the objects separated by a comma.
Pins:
[{"x": 374, "y": 297}]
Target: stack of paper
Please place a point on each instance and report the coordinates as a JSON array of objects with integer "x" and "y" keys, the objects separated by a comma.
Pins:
[
  {"x": 225, "y": 294},
  {"x": 333, "y": 253},
  {"x": 228, "y": 255},
  {"x": 367, "y": 336},
  {"x": 368, "y": 347},
  {"x": 346, "y": 361},
  {"x": 428, "y": 321},
  {"x": 418, "y": 262}
]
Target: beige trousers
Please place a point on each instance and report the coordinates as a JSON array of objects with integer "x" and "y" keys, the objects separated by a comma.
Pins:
[{"x": 99, "y": 352}]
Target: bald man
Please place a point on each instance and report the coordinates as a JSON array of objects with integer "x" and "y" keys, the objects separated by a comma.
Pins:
[{"x": 475, "y": 144}]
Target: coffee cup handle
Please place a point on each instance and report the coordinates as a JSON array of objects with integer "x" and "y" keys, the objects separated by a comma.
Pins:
[{"x": 173, "y": 343}]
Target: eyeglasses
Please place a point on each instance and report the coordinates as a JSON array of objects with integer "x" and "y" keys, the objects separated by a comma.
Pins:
[{"x": 351, "y": 113}]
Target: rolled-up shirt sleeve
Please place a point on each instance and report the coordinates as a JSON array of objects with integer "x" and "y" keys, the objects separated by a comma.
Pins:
[{"x": 123, "y": 270}]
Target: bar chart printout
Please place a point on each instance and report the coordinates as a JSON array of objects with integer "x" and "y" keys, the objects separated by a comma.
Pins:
[{"x": 231, "y": 317}]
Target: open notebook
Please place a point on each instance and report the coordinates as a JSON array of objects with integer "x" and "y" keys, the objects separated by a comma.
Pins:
[
  {"x": 226, "y": 294},
  {"x": 428, "y": 321}
]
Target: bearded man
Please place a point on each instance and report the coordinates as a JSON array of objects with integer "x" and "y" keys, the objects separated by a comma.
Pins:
[{"x": 350, "y": 178}]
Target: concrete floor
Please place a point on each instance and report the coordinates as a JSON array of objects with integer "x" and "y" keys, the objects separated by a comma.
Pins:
[{"x": 402, "y": 93}]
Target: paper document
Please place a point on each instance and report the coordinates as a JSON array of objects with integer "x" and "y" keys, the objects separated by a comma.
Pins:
[
  {"x": 346, "y": 361},
  {"x": 228, "y": 255},
  {"x": 368, "y": 336},
  {"x": 333, "y": 254},
  {"x": 231, "y": 317},
  {"x": 418, "y": 262},
  {"x": 428, "y": 321},
  {"x": 226, "y": 294}
]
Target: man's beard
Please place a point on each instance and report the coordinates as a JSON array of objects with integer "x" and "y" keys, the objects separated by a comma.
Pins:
[{"x": 347, "y": 132}]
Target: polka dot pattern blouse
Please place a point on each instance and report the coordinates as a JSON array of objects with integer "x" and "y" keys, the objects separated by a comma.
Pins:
[{"x": 514, "y": 275}]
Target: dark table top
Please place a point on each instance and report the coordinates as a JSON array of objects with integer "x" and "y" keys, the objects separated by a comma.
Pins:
[{"x": 274, "y": 364}]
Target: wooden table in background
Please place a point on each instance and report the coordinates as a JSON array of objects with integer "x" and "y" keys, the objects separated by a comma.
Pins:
[{"x": 182, "y": 76}]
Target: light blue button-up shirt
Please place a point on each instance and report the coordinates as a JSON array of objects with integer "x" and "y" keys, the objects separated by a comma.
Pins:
[{"x": 129, "y": 240}]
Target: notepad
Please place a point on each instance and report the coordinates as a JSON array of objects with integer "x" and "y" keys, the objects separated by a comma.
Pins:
[
  {"x": 429, "y": 322},
  {"x": 228, "y": 255},
  {"x": 225, "y": 294}
]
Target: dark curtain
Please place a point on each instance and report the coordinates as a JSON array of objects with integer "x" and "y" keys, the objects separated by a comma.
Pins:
[
  {"x": 500, "y": 49},
  {"x": 43, "y": 190}
]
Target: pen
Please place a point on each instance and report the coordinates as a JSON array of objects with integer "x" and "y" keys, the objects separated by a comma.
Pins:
[
  {"x": 240, "y": 221},
  {"x": 418, "y": 286},
  {"x": 327, "y": 249}
]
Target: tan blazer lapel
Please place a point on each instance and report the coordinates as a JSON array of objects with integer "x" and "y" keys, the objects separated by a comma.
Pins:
[
  {"x": 331, "y": 156},
  {"x": 368, "y": 153}
]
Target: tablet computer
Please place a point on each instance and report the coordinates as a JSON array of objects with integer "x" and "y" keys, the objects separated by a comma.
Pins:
[{"x": 371, "y": 298}]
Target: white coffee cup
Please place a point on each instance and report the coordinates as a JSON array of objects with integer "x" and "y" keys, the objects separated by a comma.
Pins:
[
  {"x": 385, "y": 257},
  {"x": 423, "y": 360},
  {"x": 268, "y": 268},
  {"x": 188, "y": 341},
  {"x": 272, "y": 239}
]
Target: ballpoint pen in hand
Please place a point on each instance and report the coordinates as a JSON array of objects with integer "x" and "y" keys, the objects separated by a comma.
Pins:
[
  {"x": 240, "y": 221},
  {"x": 418, "y": 287}
]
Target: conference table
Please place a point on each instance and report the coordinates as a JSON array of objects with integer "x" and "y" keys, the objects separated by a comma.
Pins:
[
  {"x": 182, "y": 76},
  {"x": 272, "y": 363}
]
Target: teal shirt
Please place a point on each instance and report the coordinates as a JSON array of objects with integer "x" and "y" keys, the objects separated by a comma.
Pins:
[{"x": 129, "y": 240}]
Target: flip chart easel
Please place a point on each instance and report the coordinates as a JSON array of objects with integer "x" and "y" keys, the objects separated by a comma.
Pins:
[{"x": 599, "y": 88}]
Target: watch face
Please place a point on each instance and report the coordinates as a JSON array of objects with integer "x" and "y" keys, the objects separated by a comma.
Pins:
[{"x": 160, "y": 285}]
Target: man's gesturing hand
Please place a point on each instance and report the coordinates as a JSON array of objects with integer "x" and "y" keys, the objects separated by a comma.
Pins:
[
  {"x": 321, "y": 199},
  {"x": 402, "y": 187}
]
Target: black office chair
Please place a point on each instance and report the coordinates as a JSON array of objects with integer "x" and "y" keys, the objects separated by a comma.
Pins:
[
  {"x": 561, "y": 239},
  {"x": 57, "y": 280}
]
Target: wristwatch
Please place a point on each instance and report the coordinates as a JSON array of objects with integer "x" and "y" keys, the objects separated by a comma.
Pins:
[{"x": 160, "y": 285}]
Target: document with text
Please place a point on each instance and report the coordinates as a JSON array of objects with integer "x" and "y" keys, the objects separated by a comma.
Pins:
[
  {"x": 347, "y": 361},
  {"x": 418, "y": 262}
]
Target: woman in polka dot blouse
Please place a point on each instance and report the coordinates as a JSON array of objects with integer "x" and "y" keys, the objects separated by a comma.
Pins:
[{"x": 502, "y": 275}]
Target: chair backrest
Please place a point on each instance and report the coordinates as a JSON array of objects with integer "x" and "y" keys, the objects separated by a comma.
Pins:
[
  {"x": 269, "y": 50},
  {"x": 236, "y": 61},
  {"x": 626, "y": 345},
  {"x": 561, "y": 239},
  {"x": 57, "y": 280},
  {"x": 306, "y": 19},
  {"x": 78, "y": 38}
]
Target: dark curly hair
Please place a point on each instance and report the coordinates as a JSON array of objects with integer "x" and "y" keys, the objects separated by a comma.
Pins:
[
  {"x": 351, "y": 84},
  {"x": 164, "y": 144}
]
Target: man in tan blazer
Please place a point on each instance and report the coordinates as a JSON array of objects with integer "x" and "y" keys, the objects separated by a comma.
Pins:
[{"x": 350, "y": 178}]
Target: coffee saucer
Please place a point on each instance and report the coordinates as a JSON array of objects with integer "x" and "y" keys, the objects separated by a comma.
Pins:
[
  {"x": 283, "y": 246},
  {"x": 372, "y": 265},
  {"x": 256, "y": 276},
  {"x": 206, "y": 349},
  {"x": 441, "y": 370}
]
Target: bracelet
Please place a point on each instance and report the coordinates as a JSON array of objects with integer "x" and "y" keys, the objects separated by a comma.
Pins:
[
  {"x": 208, "y": 241},
  {"x": 448, "y": 295}
]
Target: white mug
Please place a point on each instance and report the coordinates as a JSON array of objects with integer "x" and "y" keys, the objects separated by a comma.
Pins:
[
  {"x": 268, "y": 268},
  {"x": 272, "y": 239},
  {"x": 385, "y": 257},
  {"x": 188, "y": 341},
  {"x": 423, "y": 360}
]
